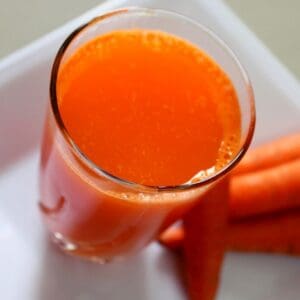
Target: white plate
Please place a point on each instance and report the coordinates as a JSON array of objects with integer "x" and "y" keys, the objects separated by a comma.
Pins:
[{"x": 32, "y": 269}]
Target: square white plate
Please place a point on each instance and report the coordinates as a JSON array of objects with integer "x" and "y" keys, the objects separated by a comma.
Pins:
[{"x": 32, "y": 269}]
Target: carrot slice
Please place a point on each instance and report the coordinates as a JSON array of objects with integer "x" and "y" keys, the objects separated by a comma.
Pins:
[
  {"x": 270, "y": 155},
  {"x": 204, "y": 243},
  {"x": 271, "y": 190}
]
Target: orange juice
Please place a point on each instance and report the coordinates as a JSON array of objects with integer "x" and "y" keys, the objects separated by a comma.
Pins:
[{"x": 146, "y": 107}]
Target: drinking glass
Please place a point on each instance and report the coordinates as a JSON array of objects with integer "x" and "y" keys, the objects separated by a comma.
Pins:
[{"x": 94, "y": 214}]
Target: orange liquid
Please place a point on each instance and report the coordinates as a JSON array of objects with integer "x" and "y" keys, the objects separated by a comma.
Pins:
[
  {"x": 144, "y": 106},
  {"x": 148, "y": 107}
]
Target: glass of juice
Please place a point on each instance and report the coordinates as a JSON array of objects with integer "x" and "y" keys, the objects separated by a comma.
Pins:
[{"x": 147, "y": 110}]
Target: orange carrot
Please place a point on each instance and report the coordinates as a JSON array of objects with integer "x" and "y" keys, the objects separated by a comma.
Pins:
[
  {"x": 275, "y": 233},
  {"x": 172, "y": 237},
  {"x": 278, "y": 233},
  {"x": 204, "y": 243},
  {"x": 270, "y": 155},
  {"x": 266, "y": 191}
]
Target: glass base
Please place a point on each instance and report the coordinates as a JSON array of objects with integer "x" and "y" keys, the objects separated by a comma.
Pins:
[{"x": 81, "y": 251}]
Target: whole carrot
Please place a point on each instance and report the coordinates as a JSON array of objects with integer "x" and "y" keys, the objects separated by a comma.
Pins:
[
  {"x": 277, "y": 233},
  {"x": 270, "y": 155},
  {"x": 264, "y": 192},
  {"x": 204, "y": 243},
  {"x": 172, "y": 237},
  {"x": 270, "y": 190}
]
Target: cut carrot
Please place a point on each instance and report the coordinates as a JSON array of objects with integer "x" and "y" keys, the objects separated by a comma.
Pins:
[
  {"x": 204, "y": 243},
  {"x": 270, "y": 155},
  {"x": 265, "y": 191},
  {"x": 278, "y": 233}
]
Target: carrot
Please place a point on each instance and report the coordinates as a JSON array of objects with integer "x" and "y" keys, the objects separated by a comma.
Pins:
[
  {"x": 265, "y": 191},
  {"x": 275, "y": 233},
  {"x": 279, "y": 233},
  {"x": 270, "y": 155},
  {"x": 204, "y": 243},
  {"x": 172, "y": 237}
]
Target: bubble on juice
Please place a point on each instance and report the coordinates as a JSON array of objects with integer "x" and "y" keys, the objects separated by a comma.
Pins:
[
  {"x": 227, "y": 150},
  {"x": 125, "y": 196},
  {"x": 202, "y": 175},
  {"x": 200, "y": 59},
  {"x": 144, "y": 197},
  {"x": 157, "y": 42}
]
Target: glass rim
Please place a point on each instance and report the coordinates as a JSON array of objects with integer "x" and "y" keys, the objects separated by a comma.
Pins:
[{"x": 123, "y": 182}]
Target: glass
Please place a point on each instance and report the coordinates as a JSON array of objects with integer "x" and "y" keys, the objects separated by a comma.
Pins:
[{"x": 94, "y": 214}]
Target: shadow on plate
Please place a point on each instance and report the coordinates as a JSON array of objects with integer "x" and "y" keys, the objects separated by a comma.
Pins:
[{"x": 63, "y": 277}]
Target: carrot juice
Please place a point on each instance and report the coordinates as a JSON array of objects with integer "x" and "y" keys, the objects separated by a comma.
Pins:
[{"x": 148, "y": 114}]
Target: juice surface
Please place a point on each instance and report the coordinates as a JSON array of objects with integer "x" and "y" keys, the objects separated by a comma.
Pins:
[{"x": 149, "y": 107}]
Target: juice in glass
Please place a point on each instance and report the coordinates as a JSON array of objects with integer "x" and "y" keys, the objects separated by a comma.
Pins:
[{"x": 142, "y": 123}]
